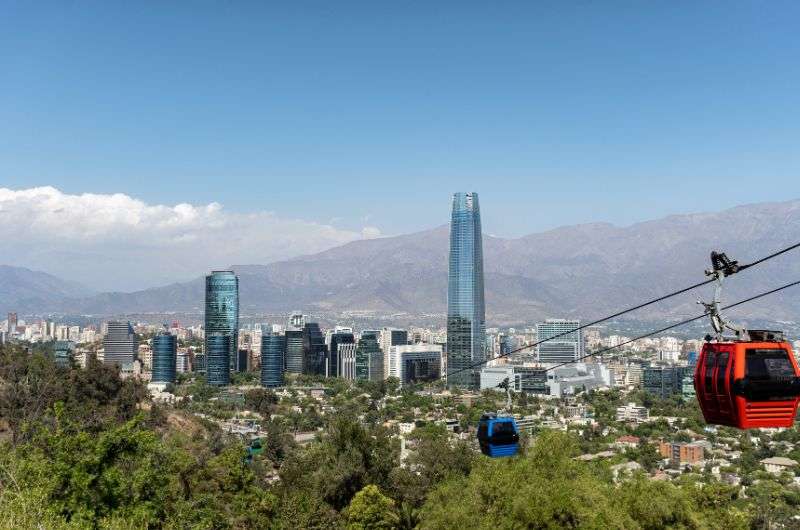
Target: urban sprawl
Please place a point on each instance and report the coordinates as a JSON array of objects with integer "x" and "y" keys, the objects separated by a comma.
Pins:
[{"x": 632, "y": 405}]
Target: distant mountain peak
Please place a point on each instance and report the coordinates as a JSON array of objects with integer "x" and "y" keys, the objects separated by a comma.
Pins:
[{"x": 583, "y": 271}]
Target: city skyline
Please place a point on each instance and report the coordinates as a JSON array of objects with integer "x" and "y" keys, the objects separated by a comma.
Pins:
[{"x": 247, "y": 280}]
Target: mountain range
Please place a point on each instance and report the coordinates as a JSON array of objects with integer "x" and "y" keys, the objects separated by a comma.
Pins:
[{"x": 580, "y": 271}]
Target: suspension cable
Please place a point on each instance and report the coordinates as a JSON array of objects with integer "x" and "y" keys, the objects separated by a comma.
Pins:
[
  {"x": 672, "y": 326},
  {"x": 640, "y": 306}
]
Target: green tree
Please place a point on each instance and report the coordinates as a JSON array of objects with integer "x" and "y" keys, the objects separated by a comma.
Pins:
[
  {"x": 510, "y": 493},
  {"x": 371, "y": 510},
  {"x": 261, "y": 400},
  {"x": 346, "y": 458}
]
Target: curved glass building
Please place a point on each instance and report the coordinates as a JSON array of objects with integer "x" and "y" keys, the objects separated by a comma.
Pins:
[
  {"x": 218, "y": 364},
  {"x": 165, "y": 352},
  {"x": 222, "y": 311},
  {"x": 273, "y": 350},
  {"x": 466, "y": 311}
]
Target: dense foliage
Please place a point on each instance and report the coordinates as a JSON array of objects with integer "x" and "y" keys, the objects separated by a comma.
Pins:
[{"x": 82, "y": 448}]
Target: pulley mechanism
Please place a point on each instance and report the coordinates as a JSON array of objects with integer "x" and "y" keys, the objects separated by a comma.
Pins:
[{"x": 721, "y": 268}]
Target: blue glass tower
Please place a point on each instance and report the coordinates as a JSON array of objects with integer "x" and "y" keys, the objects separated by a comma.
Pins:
[
  {"x": 273, "y": 350},
  {"x": 466, "y": 311},
  {"x": 218, "y": 364},
  {"x": 165, "y": 352},
  {"x": 222, "y": 312}
]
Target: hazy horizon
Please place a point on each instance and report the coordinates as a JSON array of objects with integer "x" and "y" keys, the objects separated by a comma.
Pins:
[{"x": 87, "y": 238}]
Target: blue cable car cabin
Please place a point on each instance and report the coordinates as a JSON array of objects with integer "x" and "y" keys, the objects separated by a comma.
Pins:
[{"x": 498, "y": 436}]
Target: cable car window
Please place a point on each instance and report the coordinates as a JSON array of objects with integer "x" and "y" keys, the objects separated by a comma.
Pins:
[
  {"x": 503, "y": 427},
  {"x": 763, "y": 364},
  {"x": 722, "y": 364},
  {"x": 483, "y": 430},
  {"x": 709, "y": 372},
  {"x": 770, "y": 375}
]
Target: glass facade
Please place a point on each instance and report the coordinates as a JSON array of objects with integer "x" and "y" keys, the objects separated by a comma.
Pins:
[
  {"x": 466, "y": 312},
  {"x": 567, "y": 347},
  {"x": 663, "y": 381},
  {"x": 165, "y": 352},
  {"x": 294, "y": 351},
  {"x": 120, "y": 344},
  {"x": 369, "y": 360},
  {"x": 218, "y": 354},
  {"x": 273, "y": 350},
  {"x": 335, "y": 361},
  {"x": 222, "y": 311},
  {"x": 315, "y": 351}
]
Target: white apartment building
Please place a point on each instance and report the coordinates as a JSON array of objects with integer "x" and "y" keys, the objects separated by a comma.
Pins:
[{"x": 632, "y": 412}]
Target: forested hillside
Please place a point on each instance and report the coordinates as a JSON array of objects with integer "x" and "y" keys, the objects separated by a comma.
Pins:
[{"x": 82, "y": 448}]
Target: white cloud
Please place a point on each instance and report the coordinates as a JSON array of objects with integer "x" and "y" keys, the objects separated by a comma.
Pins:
[
  {"x": 117, "y": 241},
  {"x": 370, "y": 232}
]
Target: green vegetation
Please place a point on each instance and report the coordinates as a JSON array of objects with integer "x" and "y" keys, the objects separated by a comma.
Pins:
[{"x": 86, "y": 449}]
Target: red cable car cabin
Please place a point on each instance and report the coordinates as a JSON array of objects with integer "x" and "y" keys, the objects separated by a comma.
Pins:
[{"x": 748, "y": 384}]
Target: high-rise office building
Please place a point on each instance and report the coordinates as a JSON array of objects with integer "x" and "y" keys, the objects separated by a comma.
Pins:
[
  {"x": 663, "y": 381},
  {"x": 273, "y": 349},
  {"x": 243, "y": 360},
  {"x": 375, "y": 333},
  {"x": 217, "y": 359},
  {"x": 415, "y": 362},
  {"x": 12, "y": 323},
  {"x": 337, "y": 339},
  {"x": 368, "y": 360},
  {"x": 391, "y": 337},
  {"x": 315, "y": 351},
  {"x": 297, "y": 321},
  {"x": 466, "y": 313},
  {"x": 294, "y": 351},
  {"x": 222, "y": 312},
  {"x": 346, "y": 352},
  {"x": 120, "y": 344},
  {"x": 566, "y": 347},
  {"x": 182, "y": 363},
  {"x": 165, "y": 352}
]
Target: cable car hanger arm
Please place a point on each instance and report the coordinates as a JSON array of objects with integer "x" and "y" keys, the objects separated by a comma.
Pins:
[{"x": 721, "y": 268}]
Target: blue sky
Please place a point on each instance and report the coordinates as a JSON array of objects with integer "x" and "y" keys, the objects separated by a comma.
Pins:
[{"x": 373, "y": 113}]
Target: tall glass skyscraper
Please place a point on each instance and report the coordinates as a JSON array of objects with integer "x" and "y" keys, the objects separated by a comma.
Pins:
[
  {"x": 222, "y": 312},
  {"x": 218, "y": 354},
  {"x": 466, "y": 311},
  {"x": 165, "y": 351},
  {"x": 294, "y": 351},
  {"x": 315, "y": 351},
  {"x": 273, "y": 349}
]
